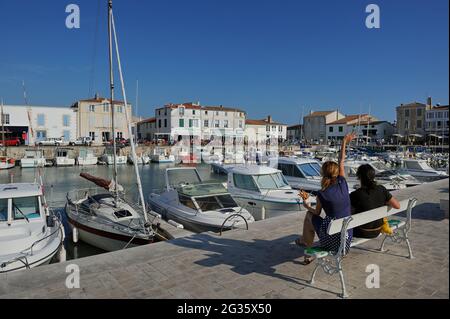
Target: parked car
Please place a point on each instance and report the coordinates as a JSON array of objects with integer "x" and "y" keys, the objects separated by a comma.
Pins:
[
  {"x": 11, "y": 141},
  {"x": 52, "y": 141},
  {"x": 86, "y": 141}
]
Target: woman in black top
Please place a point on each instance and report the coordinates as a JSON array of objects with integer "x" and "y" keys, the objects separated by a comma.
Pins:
[{"x": 370, "y": 196}]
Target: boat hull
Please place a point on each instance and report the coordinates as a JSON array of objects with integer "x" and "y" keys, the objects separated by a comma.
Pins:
[
  {"x": 32, "y": 163},
  {"x": 272, "y": 208}
]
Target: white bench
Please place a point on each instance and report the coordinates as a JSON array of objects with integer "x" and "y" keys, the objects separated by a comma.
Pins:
[{"x": 331, "y": 262}]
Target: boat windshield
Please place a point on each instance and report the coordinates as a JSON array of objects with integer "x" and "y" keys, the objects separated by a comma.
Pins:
[
  {"x": 202, "y": 189},
  {"x": 208, "y": 203},
  {"x": 271, "y": 181},
  {"x": 379, "y": 165},
  {"x": 25, "y": 206},
  {"x": 180, "y": 177},
  {"x": 420, "y": 165},
  {"x": 310, "y": 169},
  {"x": 3, "y": 210}
]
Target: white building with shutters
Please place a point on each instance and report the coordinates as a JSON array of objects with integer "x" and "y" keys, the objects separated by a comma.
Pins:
[{"x": 36, "y": 123}]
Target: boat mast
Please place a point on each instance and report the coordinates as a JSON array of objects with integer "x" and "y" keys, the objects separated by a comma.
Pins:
[
  {"x": 3, "y": 132},
  {"x": 129, "y": 119},
  {"x": 368, "y": 126},
  {"x": 111, "y": 103}
]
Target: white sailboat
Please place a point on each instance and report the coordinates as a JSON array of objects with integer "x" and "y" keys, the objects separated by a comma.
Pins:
[{"x": 106, "y": 219}]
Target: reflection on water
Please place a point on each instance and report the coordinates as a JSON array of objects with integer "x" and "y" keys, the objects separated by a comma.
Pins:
[{"x": 60, "y": 180}]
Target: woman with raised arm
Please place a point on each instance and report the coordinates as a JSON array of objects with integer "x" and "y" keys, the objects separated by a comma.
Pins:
[{"x": 334, "y": 199}]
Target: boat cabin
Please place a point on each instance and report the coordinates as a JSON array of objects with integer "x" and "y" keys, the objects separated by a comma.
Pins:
[{"x": 257, "y": 178}]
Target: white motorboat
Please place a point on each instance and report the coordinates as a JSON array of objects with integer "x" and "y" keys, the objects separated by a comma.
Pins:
[
  {"x": 420, "y": 169},
  {"x": 141, "y": 159},
  {"x": 86, "y": 157},
  {"x": 197, "y": 205},
  {"x": 301, "y": 173},
  {"x": 33, "y": 158},
  {"x": 62, "y": 157},
  {"x": 161, "y": 155},
  {"x": 30, "y": 234},
  {"x": 108, "y": 157},
  {"x": 390, "y": 179},
  {"x": 263, "y": 191},
  {"x": 7, "y": 162}
]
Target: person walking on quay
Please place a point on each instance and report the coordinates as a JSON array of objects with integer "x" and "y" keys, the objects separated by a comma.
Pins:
[{"x": 334, "y": 199}]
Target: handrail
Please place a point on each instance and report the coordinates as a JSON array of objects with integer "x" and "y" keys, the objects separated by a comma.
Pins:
[{"x": 229, "y": 217}]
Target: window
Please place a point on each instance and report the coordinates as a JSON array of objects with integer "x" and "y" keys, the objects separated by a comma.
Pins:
[
  {"x": 286, "y": 169},
  {"x": 406, "y": 113},
  {"x": 240, "y": 123},
  {"x": 406, "y": 125},
  {"x": 439, "y": 114},
  {"x": 25, "y": 207},
  {"x": 217, "y": 113},
  {"x": 41, "y": 135},
  {"x": 190, "y": 123},
  {"x": 267, "y": 128},
  {"x": 3, "y": 210},
  {"x": 119, "y": 108},
  {"x": 225, "y": 123},
  {"x": 419, "y": 112},
  {"x": 195, "y": 123},
  {"x": 280, "y": 128},
  {"x": 165, "y": 122},
  {"x": 181, "y": 111},
  {"x": 271, "y": 181},
  {"x": 341, "y": 129},
  {"x": 215, "y": 202},
  {"x": 419, "y": 123},
  {"x": 66, "y": 135},
  {"x": 330, "y": 129},
  {"x": 244, "y": 182},
  {"x": 119, "y": 135},
  {"x": 274, "y": 128},
  {"x": 186, "y": 201},
  {"x": 310, "y": 169},
  {"x": 159, "y": 123},
  {"x": 106, "y": 108},
  {"x": 216, "y": 123},
  {"x": 206, "y": 123},
  {"x": 41, "y": 119},
  {"x": 206, "y": 112},
  {"x": 66, "y": 120},
  {"x": 5, "y": 119},
  {"x": 92, "y": 135},
  {"x": 193, "y": 112},
  {"x": 439, "y": 124},
  {"x": 165, "y": 111},
  {"x": 181, "y": 123},
  {"x": 91, "y": 108},
  {"x": 226, "y": 113}
]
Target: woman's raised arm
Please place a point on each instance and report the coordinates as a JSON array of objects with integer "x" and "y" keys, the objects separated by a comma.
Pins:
[{"x": 347, "y": 139}]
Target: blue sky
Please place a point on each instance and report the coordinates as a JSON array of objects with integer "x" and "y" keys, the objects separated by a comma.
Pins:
[{"x": 266, "y": 56}]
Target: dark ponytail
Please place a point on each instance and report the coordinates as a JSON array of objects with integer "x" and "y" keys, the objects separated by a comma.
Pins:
[{"x": 366, "y": 174}]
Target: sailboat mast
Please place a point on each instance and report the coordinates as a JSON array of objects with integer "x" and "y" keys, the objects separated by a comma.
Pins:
[
  {"x": 3, "y": 130},
  {"x": 129, "y": 119},
  {"x": 368, "y": 125},
  {"x": 111, "y": 87}
]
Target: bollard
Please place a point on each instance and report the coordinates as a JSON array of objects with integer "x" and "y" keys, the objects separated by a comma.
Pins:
[
  {"x": 75, "y": 235},
  {"x": 263, "y": 213}
]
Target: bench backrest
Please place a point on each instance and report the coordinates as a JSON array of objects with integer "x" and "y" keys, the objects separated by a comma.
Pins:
[{"x": 370, "y": 216}]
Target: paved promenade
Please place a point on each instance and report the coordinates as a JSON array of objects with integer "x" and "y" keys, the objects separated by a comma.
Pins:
[{"x": 263, "y": 262}]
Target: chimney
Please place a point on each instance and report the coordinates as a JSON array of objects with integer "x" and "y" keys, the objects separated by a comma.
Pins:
[
  {"x": 429, "y": 105},
  {"x": 97, "y": 96},
  {"x": 269, "y": 119}
]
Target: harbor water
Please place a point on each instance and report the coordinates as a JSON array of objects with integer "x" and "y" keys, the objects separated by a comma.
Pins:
[{"x": 58, "y": 181}]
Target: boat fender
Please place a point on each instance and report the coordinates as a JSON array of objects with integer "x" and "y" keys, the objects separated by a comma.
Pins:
[
  {"x": 62, "y": 256},
  {"x": 175, "y": 224},
  {"x": 75, "y": 235}
]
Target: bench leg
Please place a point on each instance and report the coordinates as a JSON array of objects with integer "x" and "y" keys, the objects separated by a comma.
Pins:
[
  {"x": 409, "y": 245},
  {"x": 341, "y": 276},
  {"x": 382, "y": 244},
  {"x": 311, "y": 281}
]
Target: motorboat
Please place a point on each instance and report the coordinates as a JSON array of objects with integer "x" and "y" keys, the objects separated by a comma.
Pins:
[
  {"x": 86, "y": 157},
  {"x": 33, "y": 158},
  {"x": 142, "y": 159},
  {"x": 62, "y": 157},
  {"x": 161, "y": 155},
  {"x": 420, "y": 169},
  {"x": 300, "y": 173},
  {"x": 263, "y": 191},
  {"x": 197, "y": 205},
  {"x": 108, "y": 157},
  {"x": 7, "y": 162},
  {"x": 30, "y": 233}
]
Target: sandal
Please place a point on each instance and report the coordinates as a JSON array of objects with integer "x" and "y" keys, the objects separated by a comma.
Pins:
[{"x": 307, "y": 261}]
